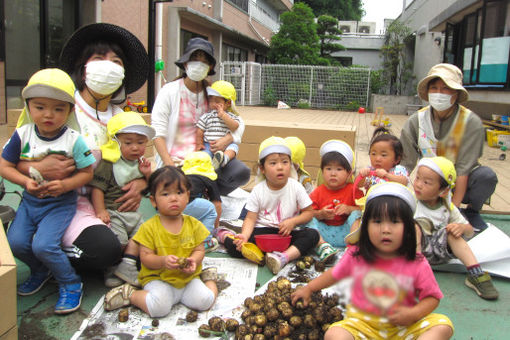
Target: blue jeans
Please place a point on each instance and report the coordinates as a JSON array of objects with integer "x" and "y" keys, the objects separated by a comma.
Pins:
[
  {"x": 335, "y": 234},
  {"x": 231, "y": 146},
  {"x": 35, "y": 235},
  {"x": 204, "y": 211}
]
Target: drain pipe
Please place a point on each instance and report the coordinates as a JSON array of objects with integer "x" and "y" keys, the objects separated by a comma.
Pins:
[
  {"x": 255, "y": 30},
  {"x": 159, "y": 44}
]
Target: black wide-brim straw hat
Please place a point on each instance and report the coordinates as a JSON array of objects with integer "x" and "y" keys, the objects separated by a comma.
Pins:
[
  {"x": 136, "y": 69},
  {"x": 195, "y": 44}
]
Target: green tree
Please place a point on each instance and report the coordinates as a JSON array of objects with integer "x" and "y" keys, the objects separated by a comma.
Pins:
[
  {"x": 340, "y": 9},
  {"x": 397, "y": 70},
  {"x": 329, "y": 35},
  {"x": 297, "y": 41}
]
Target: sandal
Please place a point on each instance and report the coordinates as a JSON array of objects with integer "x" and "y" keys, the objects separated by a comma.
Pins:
[{"x": 118, "y": 297}]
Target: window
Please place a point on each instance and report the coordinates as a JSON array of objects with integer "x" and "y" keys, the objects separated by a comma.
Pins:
[
  {"x": 364, "y": 29},
  {"x": 345, "y": 61},
  {"x": 186, "y": 36},
  {"x": 480, "y": 46},
  {"x": 242, "y": 4},
  {"x": 345, "y": 29},
  {"x": 232, "y": 53}
]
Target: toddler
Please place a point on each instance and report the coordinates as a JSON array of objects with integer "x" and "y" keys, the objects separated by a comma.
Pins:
[
  {"x": 221, "y": 120},
  {"x": 276, "y": 205},
  {"x": 171, "y": 251},
  {"x": 47, "y": 207},
  {"x": 394, "y": 290},
  {"x": 444, "y": 229},
  {"x": 122, "y": 161},
  {"x": 385, "y": 154},
  {"x": 335, "y": 210},
  {"x": 298, "y": 149},
  {"x": 198, "y": 168}
]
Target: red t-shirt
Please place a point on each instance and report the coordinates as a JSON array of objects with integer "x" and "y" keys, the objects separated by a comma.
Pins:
[{"x": 322, "y": 196}]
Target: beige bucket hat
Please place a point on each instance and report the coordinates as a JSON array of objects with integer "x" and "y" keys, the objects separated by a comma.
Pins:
[{"x": 450, "y": 74}]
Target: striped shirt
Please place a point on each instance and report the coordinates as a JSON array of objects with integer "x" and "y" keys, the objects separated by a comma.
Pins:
[{"x": 214, "y": 127}]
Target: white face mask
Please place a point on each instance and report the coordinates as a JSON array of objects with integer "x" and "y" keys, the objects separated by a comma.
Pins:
[
  {"x": 196, "y": 70},
  {"x": 440, "y": 101},
  {"x": 103, "y": 76}
]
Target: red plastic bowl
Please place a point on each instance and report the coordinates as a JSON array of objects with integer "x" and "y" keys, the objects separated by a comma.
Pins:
[{"x": 272, "y": 242}]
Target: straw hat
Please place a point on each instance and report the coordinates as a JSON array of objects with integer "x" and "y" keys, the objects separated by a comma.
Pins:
[
  {"x": 137, "y": 63},
  {"x": 450, "y": 74}
]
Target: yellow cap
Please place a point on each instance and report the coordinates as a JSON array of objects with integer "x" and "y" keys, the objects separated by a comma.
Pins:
[
  {"x": 443, "y": 167},
  {"x": 226, "y": 90},
  {"x": 273, "y": 145},
  {"x": 298, "y": 150},
  {"x": 124, "y": 122},
  {"x": 199, "y": 163}
]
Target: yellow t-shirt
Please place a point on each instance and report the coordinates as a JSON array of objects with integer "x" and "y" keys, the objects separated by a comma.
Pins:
[{"x": 154, "y": 236}]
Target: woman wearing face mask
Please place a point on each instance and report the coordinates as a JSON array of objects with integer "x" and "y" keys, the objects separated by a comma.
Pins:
[
  {"x": 105, "y": 62},
  {"x": 446, "y": 128},
  {"x": 178, "y": 107}
]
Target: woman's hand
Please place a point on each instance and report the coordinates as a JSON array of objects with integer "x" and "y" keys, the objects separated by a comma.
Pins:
[
  {"x": 131, "y": 199},
  {"x": 51, "y": 167},
  {"x": 221, "y": 143}
]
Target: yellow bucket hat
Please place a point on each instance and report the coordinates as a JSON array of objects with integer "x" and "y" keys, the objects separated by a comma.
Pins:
[
  {"x": 124, "y": 122},
  {"x": 298, "y": 150},
  {"x": 273, "y": 145},
  {"x": 443, "y": 167},
  {"x": 199, "y": 163},
  {"x": 226, "y": 90},
  {"x": 49, "y": 83},
  {"x": 385, "y": 188}
]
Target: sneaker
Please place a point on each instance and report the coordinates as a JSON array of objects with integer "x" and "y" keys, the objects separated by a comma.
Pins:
[
  {"x": 275, "y": 261},
  {"x": 33, "y": 284},
  {"x": 482, "y": 285},
  {"x": 69, "y": 298},
  {"x": 326, "y": 252},
  {"x": 221, "y": 232},
  {"x": 110, "y": 279},
  {"x": 211, "y": 245},
  {"x": 217, "y": 160},
  {"x": 118, "y": 297},
  {"x": 474, "y": 219},
  {"x": 127, "y": 271}
]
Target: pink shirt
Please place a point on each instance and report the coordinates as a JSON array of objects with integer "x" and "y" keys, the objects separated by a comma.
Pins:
[
  {"x": 387, "y": 283},
  {"x": 192, "y": 106}
]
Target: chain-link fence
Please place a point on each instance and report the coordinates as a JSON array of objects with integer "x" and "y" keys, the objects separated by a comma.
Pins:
[{"x": 341, "y": 88}]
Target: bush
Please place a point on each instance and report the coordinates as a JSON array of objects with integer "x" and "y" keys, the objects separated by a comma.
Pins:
[{"x": 270, "y": 96}]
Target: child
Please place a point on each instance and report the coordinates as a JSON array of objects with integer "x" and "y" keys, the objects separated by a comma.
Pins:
[
  {"x": 171, "y": 251},
  {"x": 47, "y": 208},
  {"x": 298, "y": 149},
  {"x": 221, "y": 120},
  {"x": 122, "y": 161},
  {"x": 277, "y": 205},
  {"x": 444, "y": 228},
  {"x": 334, "y": 208},
  {"x": 389, "y": 276},
  {"x": 198, "y": 168},
  {"x": 385, "y": 154}
]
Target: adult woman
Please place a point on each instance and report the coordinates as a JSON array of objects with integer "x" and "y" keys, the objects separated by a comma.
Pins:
[
  {"x": 178, "y": 106},
  {"x": 446, "y": 128}
]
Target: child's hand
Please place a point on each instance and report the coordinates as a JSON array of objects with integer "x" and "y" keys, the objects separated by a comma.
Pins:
[
  {"x": 302, "y": 293},
  {"x": 285, "y": 226},
  {"x": 326, "y": 213},
  {"x": 455, "y": 229},
  {"x": 144, "y": 165},
  {"x": 239, "y": 240},
  {"x": 191, "y": 267},
  {"x": 401, "y": 316},
  {"x": 365, "y": 172},
  {"x": 381, "y": 173},
  {"x": 342, "y": 209},
  {"x": 56, "y": 188},
  {"x": 171, "y": 262},
  {"x": 103, "y": 216},
  {"x": 35, "y": 189}
]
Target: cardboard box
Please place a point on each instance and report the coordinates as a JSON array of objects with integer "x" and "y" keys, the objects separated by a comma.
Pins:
[
  {"x": 12, "y": 116},
  {"x": 8, "y": 288}
]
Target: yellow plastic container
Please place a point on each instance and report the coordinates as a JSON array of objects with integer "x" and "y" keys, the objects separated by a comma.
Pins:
[{"x": 492, "y": 137}]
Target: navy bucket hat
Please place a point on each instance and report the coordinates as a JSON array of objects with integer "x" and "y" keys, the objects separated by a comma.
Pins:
[{"x": 196, "y": 44}]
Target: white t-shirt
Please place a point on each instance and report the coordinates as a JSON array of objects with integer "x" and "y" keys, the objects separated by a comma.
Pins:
[{"x": 274, "y": 206}]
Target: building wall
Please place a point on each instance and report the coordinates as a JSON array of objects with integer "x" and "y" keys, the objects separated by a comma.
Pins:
[{"x": 370, "y": 58}]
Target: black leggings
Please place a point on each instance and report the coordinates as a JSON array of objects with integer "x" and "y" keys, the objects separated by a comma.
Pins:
[
  {"x": 99, "y": 248},
  {"x": 304, "y": 240}
]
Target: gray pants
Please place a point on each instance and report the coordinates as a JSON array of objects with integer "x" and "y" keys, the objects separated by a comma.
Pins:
[
  {"x": 232, "y": 176},
  {"x": 481, "y": 185},
  {"x": 124, "y": 224}
]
